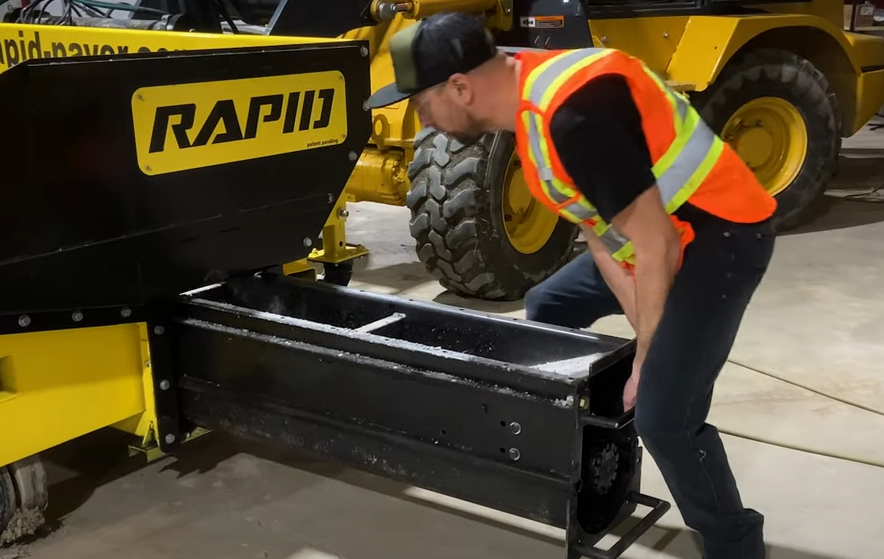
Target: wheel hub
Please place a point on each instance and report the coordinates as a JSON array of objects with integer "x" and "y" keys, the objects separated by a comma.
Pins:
[
  {"x": 604, "y": 468},
  {"x": 770, "y": 135},
  {"x": 529, "y": 224}
]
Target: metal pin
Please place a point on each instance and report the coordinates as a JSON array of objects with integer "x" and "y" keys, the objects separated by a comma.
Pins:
[
  {"x": 164, "y": 385},
  {"x": 170, "y": 438},
  {"x": 126, "y": 312},
  {"x": 515, "y": 428},
  {"x": 24, "y": 320},
  {"x": 77, "y": 316},
  {"x": 515, "y": 454},
  {"x": 354, "y": 156},
  {"x": 308, "y": 242},
  {"x": 159, "y": 330}
]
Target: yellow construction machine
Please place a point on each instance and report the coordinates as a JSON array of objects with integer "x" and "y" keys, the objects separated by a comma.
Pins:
[
  {"x": 162, "y": 195},
  {"x": 782, "y": 82}
]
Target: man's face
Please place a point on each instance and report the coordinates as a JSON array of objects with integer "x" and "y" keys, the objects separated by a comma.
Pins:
[{"x": 450, "y": 108}]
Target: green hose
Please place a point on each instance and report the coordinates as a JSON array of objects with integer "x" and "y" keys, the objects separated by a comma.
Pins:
[{"x": 837, "y": 456}]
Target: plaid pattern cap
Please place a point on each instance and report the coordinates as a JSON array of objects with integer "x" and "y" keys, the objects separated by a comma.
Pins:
[{"x": 429, "y": 52}]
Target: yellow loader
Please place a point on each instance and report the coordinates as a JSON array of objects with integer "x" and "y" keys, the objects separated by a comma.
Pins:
[{"x": 782, "y": 82}]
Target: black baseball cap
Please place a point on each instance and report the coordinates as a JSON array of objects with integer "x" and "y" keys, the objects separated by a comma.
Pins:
[{"x": 431, "y": 51}]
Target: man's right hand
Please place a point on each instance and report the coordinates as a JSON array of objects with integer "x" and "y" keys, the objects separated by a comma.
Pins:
[{"x": 630, "y": 390}]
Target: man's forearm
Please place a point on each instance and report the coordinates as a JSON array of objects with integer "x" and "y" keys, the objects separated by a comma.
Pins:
[
  {"x": 618, "y": 279},
  {"x": 654, "y": 273}
]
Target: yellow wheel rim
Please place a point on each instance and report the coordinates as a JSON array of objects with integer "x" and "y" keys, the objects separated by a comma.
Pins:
[
  {"x": 529, "y": 224},
  {"x": 769, "y": 134}
]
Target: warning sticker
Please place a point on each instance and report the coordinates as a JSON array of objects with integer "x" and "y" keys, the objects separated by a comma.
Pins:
[{"x": 543, "y": 22}]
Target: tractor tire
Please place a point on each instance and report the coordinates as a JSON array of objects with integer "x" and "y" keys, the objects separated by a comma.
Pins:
[
  {"x": 8, "y": 501},
  {"x": 777, "y": 111},
  {"x": 459, "y": 219},
  {"x": 30, "y": 497}
]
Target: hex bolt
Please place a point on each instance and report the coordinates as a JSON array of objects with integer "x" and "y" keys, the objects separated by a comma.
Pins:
[
  {"x": 164, "y": 385},
  {"x": 24, "y": 321},
  {"x": 125, "y": 312},
  {"x": 514, "y": 454},
  {"x": 515, "y": 428},
  {"x": 331, "y": 198},
  {"x": 365, "y": 105},
  {"x": 354, "y": 156},
  {"x": 159, "y": 330},
  {"x": 77, "y": 316},
  {"x": 170, "y": 438},
  {"x": 308, "y": 242}
]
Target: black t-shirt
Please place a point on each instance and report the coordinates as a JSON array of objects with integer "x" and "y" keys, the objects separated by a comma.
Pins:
[{"x": 598, "y": 135}]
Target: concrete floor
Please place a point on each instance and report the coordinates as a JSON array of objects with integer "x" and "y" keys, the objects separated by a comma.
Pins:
[{"x": 816, "y": 321}]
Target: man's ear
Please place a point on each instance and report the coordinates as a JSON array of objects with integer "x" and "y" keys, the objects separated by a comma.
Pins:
[{"x": 462, "y": 88}]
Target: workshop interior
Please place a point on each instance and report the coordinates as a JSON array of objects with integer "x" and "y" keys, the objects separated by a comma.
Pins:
[{"x": 197, "y": 278}]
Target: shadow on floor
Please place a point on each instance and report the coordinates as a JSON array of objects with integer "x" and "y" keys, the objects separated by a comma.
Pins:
[
  {"x": 684, "y": 544},
  {"x": 399, "y": 279},
  {"x": 854, "y": 197},
  {"x": 454, "y": 300},
  {"x": 76, "y": 469},
  {"x": 96, "y": 460}
]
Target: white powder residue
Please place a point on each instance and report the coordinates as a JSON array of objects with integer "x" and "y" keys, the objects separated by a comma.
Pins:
[{"x": 569, "y": 367}]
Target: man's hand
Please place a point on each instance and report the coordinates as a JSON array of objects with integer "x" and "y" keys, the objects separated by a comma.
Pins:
[
  {"x": 630, "y": 391},
  {"x": 657, "y": 248}
]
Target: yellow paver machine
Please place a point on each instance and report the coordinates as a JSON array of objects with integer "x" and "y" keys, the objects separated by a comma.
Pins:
[{"x": 163, "y": 194}]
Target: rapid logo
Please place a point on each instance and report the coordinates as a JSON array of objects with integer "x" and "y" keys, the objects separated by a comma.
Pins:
[{"x": 189, "y": 126}]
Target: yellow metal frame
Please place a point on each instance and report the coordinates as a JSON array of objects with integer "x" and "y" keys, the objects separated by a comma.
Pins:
[
  {"x": 691, "y": 51},
  {"x": 58, "y": 385}
]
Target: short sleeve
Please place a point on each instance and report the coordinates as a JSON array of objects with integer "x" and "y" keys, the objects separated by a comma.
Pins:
[{"x": 599, "y": 138}]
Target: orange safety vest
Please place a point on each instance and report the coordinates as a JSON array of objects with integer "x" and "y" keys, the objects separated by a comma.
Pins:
[{"x": 690, "y": 162}]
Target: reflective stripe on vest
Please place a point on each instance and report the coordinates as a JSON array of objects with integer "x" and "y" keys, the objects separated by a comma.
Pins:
[{"x": 679, "y": 172}]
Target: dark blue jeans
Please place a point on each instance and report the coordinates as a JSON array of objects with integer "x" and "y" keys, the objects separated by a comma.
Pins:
[{"x": 722, "y": 268}]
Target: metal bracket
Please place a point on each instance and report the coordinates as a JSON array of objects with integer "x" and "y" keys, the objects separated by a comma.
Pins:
[{"x": 165, "y": 385}]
